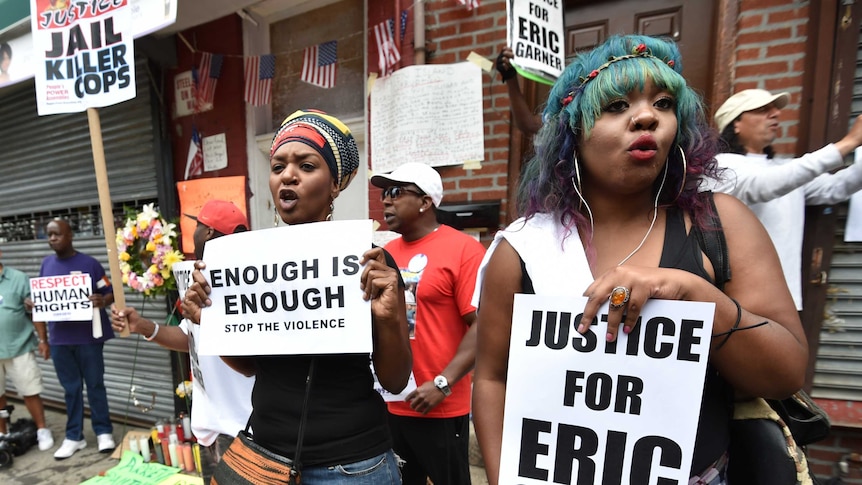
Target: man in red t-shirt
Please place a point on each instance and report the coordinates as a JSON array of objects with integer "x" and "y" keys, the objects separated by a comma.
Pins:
[{"x": 438, "y": 264}]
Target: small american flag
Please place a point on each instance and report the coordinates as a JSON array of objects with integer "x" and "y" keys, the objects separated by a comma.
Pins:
[
  {"x": 318, "y": 65},
  {"x": 195, "y": 160},
  {"x": 259, "y": 71},
  {"x": 470, "y": 4},
  {"x": 387, "y": 54},
  {"x": 403, "y": 25},
  {"x": 208, "y": 74}
]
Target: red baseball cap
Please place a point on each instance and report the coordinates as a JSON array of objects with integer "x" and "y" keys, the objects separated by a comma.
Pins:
[{"x": 221, "y": 215}]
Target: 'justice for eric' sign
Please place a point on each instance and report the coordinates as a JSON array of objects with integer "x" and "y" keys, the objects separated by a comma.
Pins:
[
  {"x": 582, "y": 410},
  {"x": 288, "y": 290}
]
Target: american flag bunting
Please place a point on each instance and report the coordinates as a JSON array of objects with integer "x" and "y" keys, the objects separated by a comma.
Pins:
[
  {"x": 319, "y": 64},
  {"x": 259, "y": 71},
  {"x": 207, "y": 76},
  {"x": 387, "y": 54}
]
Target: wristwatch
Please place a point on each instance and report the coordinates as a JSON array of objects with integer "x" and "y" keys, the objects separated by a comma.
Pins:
[{"x": 443, "y": 384}]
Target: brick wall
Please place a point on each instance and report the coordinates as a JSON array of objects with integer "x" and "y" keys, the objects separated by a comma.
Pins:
[
  {"x": 770, "y": 54},
  {"x": 452, "y": 32}
]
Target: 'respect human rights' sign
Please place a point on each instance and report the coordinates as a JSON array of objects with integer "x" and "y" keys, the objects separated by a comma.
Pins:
[
  {"x": 579, "y": 409},
  {"x": 64, "y": 298},
  {"x": 287, "y": 290},
  {"x": 83, "y": 53}
]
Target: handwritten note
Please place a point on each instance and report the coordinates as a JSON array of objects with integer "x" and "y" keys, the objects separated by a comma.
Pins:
[
  {"x": 215, "y": 152},
  {"x": 428, "y": 113}
]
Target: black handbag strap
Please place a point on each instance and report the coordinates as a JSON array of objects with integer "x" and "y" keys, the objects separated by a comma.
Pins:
[
  {"x": 297, "y": 464},
  {"x": 712, "y": 243}
]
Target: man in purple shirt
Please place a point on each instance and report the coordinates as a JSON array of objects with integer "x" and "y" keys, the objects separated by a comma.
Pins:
[{"x": 76, "y": 347}]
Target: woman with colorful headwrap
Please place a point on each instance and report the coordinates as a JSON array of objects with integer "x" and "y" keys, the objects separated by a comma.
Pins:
[
  {"x": 312, "y": 159},
  {"x": 612, "y": 195}
]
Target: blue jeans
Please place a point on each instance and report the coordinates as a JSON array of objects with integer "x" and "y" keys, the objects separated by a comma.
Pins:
[
  {"x": 380, "y": 470},
  {"x": 77, "y": 365}
]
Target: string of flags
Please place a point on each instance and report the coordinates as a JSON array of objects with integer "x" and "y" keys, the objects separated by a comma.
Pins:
[{"x": 319, "y": 65}]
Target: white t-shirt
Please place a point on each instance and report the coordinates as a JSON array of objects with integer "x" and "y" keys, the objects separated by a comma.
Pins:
[{"x": 221, "y": 397}]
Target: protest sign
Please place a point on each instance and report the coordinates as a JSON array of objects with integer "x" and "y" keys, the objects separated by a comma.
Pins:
[
  {"x": 388, "y": 396},
  {"x": 535, "y": 32},
  {"x": 582, "y": 410},
  {"x": 287, "y": 290},
  {"x": 440, "y": 123},
  {"x": 133, "y": 470},
  {"x": 63, "y": 298},
  {"x": 84, "y": 55},
  {"x": 182, "y": 275}
]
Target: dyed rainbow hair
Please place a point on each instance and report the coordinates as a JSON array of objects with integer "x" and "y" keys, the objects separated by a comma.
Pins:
[{"x": 620, "y": 65}]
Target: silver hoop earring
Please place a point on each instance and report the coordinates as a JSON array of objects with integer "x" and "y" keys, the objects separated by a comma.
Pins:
[
  {"x": 576, "y": 184},
  {"x": 684, "y": 170},
  {"x": 275, "y": 217},
  {"x": 331, "y": 210}
]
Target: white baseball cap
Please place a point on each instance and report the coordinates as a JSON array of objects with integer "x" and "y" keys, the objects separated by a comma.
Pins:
[
  {"x": 747, "y": 100},
  {"x": 416, "y": 173}
]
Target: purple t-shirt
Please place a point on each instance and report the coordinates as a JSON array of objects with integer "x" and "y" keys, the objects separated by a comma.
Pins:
[{"x": 78, "y": 333}]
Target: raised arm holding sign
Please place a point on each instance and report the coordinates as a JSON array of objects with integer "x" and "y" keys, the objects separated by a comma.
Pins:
[{"x": 619, "y": 224}]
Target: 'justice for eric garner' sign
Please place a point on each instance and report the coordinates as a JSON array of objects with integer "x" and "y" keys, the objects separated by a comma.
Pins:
[
  {"x": 535, "y": 34},
  {"x": 64, "y": 298},
  {"x": 288, "y": 290},
  {"x": 582, "y": 410}
]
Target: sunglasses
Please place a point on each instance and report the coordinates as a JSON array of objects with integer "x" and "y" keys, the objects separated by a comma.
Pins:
[{"x": 396, "y": 191}]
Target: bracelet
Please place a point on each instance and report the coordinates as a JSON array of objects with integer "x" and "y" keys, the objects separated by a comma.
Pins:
[
  {"x": 155, "y": 332},
  {"x": 733, "y": 328}
]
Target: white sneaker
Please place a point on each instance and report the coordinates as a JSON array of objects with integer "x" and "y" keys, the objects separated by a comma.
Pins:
[
  {"x": 106, "y": 443},
  {"x": 46, "y": 441},
  {"x": 68, "y": 448}
]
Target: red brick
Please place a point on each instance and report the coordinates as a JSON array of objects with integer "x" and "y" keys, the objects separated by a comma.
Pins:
[
  {"x": 748, "y": 54},
  {"x": 765, "y": 68},
  {"x": 437, "y": 31},
  {"x": 453, "y": 15},
  {"x": 471, "y": 26},
  {"x": 760, "y": 37},
  {"x": 749, "y": 21},
  {"x": 788, "y": 49},
  {"x": 788, "y": 15},
  {"x": 495, "y": 37},
  {"x": 491, "y": 194}
]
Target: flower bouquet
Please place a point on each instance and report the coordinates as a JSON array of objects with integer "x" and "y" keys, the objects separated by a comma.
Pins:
[{"x": 147, "y": 248}]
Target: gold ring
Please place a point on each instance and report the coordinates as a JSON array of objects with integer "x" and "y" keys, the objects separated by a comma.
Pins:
[{"x": 619, "y": 297}]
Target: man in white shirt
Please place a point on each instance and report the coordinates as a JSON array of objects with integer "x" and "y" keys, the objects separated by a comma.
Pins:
[{"x": 777, "y": 189}]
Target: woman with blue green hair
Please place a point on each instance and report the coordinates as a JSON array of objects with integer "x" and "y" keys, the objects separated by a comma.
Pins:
[{"x": 612, "y": 211}]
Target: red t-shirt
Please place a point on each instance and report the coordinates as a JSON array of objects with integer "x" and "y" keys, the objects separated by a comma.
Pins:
[{"x": 439, "y": 271}]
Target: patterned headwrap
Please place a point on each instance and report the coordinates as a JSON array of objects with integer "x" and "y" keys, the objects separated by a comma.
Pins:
[{"x": 326, "y": 134}]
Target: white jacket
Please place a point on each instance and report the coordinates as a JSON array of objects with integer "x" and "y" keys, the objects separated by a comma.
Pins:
[{"x": 777, "y": 191}]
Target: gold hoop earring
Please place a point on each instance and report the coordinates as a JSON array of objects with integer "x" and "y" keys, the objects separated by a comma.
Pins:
[
  {"x": 275, "y": 217},
  {"x": 331, "y": 210}
]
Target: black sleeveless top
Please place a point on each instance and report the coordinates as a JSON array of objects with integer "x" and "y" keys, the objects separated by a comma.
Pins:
[{"x": 682, "y": 251}]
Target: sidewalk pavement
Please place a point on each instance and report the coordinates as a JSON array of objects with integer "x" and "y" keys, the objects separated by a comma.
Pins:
[{"x": 39, "y": 467}]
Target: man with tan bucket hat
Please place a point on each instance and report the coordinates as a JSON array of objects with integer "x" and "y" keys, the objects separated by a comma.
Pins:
[{"x": 777, "y": 189}]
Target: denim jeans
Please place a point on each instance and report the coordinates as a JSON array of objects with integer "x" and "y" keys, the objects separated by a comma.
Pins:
[
  {"x": 77, "y": 365},
  {"x": 380, "y": 470}
]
